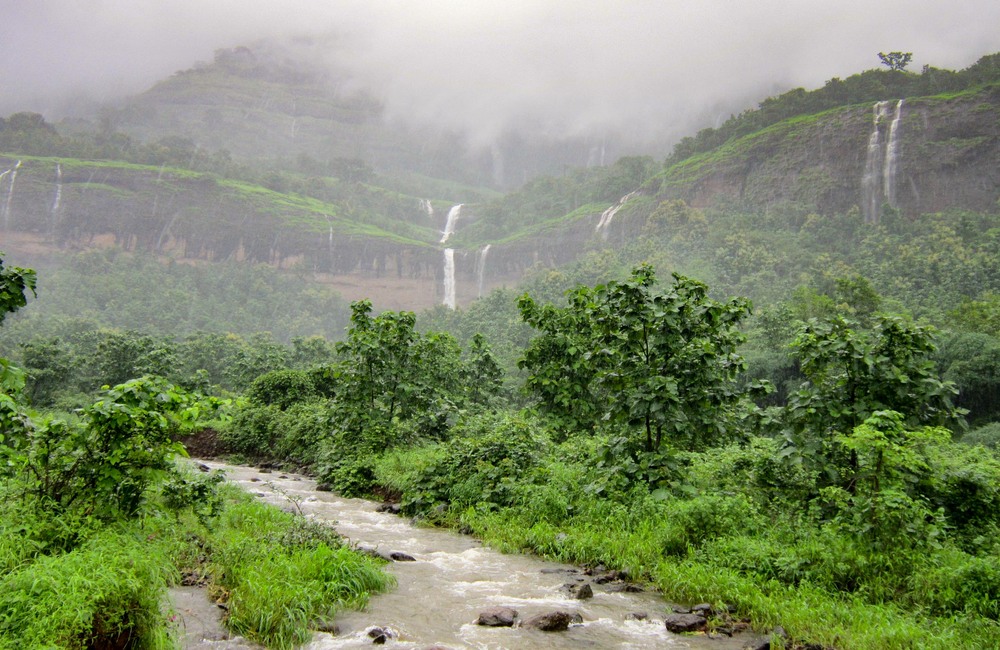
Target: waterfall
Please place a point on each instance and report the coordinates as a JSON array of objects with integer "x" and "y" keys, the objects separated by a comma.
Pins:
[
  {"x": 609, "y": 214},
  {"x": 481, "y": 268},
  {"x": 10, "y": 196},
  {"x": 449, "y": 224},
  {"x": 428, "y": 208},
  {"x": 891, "y": 157},
  {"x": 871, "y": 182},
  {"x": 449, "y": 277},
  {"x": 58, "y": 198}
]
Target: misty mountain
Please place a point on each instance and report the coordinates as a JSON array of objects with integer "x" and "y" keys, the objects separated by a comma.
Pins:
[
  {"x": 266, "y": 103},
  {"x": 927, "y": 143}
]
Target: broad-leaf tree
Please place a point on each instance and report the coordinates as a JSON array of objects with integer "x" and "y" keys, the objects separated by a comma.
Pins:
[{"x": 662, "y": 360}]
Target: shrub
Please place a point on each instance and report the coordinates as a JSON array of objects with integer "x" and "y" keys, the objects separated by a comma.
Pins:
[{"x": 281, "y": 388}]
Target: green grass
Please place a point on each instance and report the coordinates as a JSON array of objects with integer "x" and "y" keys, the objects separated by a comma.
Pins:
[
  {"x": 281, "y": 574},
  {"x": 112, "y": 584}
]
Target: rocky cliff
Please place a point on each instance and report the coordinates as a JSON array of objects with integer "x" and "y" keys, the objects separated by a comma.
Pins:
[{"x": 921, "y": 155}]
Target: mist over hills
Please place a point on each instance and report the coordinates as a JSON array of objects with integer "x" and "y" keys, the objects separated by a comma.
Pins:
[{"x": 266, "y": 156}]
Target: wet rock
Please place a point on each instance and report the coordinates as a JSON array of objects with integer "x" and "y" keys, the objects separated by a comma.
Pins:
[
  {"x": 702, "y": 608},
  {"x": 399, "y": 556},
  {"x": 580, "y": 592},
  {"x": 685, "y": 622},
  {"x": 576, "y": 619},
  {"x": 550, "y": 622},
  {"x": 604, "y": 577},
  {"x": 763, "y": 643},
  {"x": 391, "y": 508},
  {"x": 254, "y": 479},
  {"x": 465, "y": 529},
  {"x": 264, "y": 470},
  {"x": 202, "y": 467},
  {"x": 680, "y": 609},
  {"x": 380, "y": 635},
  {"x": 283, "y": 476},
  {"x": 627, "y": 588},
  {"x": 323, "y": 487},
  {"x": 497, "y": 617},
  {"x": 637, "y": 616},
  {"x": 550, "y": 571}
]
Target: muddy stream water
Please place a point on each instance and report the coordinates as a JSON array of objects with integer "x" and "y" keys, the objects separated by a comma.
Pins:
[{"x": 439, "y": 596}]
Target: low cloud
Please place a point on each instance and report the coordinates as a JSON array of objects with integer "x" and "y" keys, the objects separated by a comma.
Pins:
[{"x": 650, "y": 70}]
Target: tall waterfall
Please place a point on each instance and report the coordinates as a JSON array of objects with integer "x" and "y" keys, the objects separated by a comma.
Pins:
[
  {"x": 609, "y": 214},
  {"x": 892, "y": 157},
  {"x": 449, "y": 224},
  {"x": 58, "y": 197},
  {"x": 10, "y": 196},
  {"x": 881, "y": 161},
  {"x": 449, "y": 277},
  {"x": 481, "y": 268}
]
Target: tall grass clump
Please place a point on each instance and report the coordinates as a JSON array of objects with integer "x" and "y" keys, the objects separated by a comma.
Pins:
[
  {"x": 102, "y": 594},
  {"x": 281, "y": 574}
]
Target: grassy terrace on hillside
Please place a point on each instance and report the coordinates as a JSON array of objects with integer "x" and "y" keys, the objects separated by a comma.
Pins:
[
  {"x": 469, "y": 238},
  {"x": 318, "y": 216},
  {"x": 301, "y": 212},
  {"x": 699, "y": 165}
]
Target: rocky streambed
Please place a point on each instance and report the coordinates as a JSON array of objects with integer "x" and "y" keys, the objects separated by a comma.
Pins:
[{"x": 454, "y": 593}]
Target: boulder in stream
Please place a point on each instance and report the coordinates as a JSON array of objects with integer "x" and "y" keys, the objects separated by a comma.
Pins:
[
  {"x": 685, "y": 622},
  {"x": 399, "y": 556},
  {"x": 578, "y": 591},
  {"x": 497, "y": 617},
  {"x": 380, "y": 635},
  {"x": 550, "y": 622}
]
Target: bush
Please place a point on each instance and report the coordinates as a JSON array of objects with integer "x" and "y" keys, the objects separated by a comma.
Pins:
[
  {"x": 480, "y": 465},
  {"x": 962, "y": 584},
  {"x": 253, "y": 431},
  {"x": 987, "y": 435},
  {"x": 281, "y": 388}
]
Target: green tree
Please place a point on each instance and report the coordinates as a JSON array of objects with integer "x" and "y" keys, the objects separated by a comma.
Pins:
[
  {"x": 15, "y": 283},
  {"x": 852, "y": 373},
  {"x": 389, "y": 374},
  {"x": 482, "y": 374},
  {"x": 895, "y": 60},
  {"x": 663, "y": 360}
]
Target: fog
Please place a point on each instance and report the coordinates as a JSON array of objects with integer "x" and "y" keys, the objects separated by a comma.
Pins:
[{"x": 648, "y": 69}]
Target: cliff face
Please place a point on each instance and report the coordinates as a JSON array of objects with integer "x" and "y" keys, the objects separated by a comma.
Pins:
[
  {"x": 920, "y": 155},
  {"x": 946, "y": 154},
  {"x": 68, "y": 203}
]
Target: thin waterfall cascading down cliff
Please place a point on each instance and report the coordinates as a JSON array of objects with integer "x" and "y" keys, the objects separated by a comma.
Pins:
[
  {"x": 609, "y": 214},
  {"x": 449, "y": 278},
  {"x": 881, "y": 161},
  {"x": 892, "y": 157},
  {"x": 10, "y": 195},
  {"x": 449, "y": 224},
  {"x": 481, "y": 268},
  {"x": 58, "y": 197},
  {"x": 428, "y": 208}
]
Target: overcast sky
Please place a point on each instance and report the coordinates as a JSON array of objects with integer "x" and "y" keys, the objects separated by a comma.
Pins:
[{"x": 567, "y": 66}]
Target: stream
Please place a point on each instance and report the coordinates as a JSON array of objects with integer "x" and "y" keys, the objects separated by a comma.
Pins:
[{"x": 440, "y": 595}]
